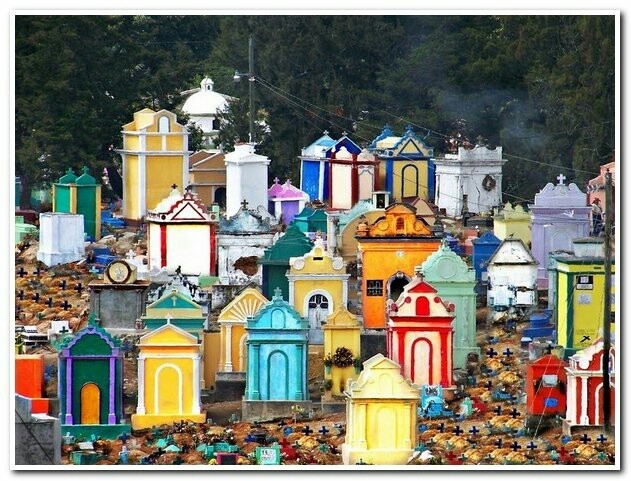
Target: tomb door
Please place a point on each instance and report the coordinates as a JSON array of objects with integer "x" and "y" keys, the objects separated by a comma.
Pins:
[
  {"x": 278, "y": 376},
  {"x": 90, "y": 404},
  {"x": 317, "y": 311},
  {"x": 386, "y": 437},
  {"x": 168, "y": 389}
]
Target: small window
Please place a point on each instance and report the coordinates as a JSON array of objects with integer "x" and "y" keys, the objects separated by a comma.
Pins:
[
  {"x": 163, "y": 124},
  {"x": 400, "y": 223},
  {"x": 550, "y": 380},
  {"x": 374, "y": 288}
]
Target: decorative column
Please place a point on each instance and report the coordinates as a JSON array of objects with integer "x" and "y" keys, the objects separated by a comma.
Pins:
[
  {"x": 69, "y": 389},
  {"x": 254, "y": 390},
  {"x": 362, "y": 425},
  {"x": 228, "y": 347},
  {"x": 299, "y": 372},
  {"x": 584, "y": 401},
  {"x": 141, "y": 385},
  {"x": 111, "y": 417},
  {"x": 196, "y": 407}
]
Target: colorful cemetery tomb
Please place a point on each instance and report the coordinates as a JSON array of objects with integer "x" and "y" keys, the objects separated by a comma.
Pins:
[
  {"x": 140, "y": 262},
  {"x": 177, "y": 308},
  {"x": 559, "y": 215},
  {"x": 29, "y": 381},
  {"x": 80, "y": 195},
  {"x": 311, "y": 221},
  {"x": 90, "y": 377},
  {"x": 341, "y": 334},
  {"x": 207, "y": 177},
  {"x": 585, "y": 387},
  {"x": 512, "y": 275},
  {"x": 580, "y": 296},
  {"x": 539, "y": 326},
  {"x": 246, "y": 176},
  {"x": 23, "y": 229},
  {"x": 512, "y": 221},
  {"x": 277, "y": 361},
  {"x": 179, "y": 225},
  {"x": 596, "y": 187},
  {"x": 168, "y": 378},
  {"x": 230, "y": 378},
  {"x": 455, "y": 283},
  {"x": 205, "y": 108},
  {"x": 119, "y": 298},
  {"x": 419, "y": 336},
  {"x": 285, "y": 201},
  {"x": 381, "y": 414},
  {"x": 61, "y": 238},
  {"x": 469, "y": 181},
  {"x": 407, "y": 164},
  {"x": 483, "y": 248},
  {"x": 242, "y": 241},
  {"x": 545, "y": 388},
  {"x": 155, "y": 155},
  {"x": 109, "y": 221},
  {"x": 275, "y": 261},
  {"x": 318, "y": 284},
  {"x": 354, "y": 174},
  {"x": 388, "y": 251},
  {"x": 314, "y": 168}
]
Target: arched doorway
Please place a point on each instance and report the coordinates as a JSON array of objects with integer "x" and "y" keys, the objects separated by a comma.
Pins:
[
  {"x": 168, "y": 389},
  {"x": 278, "y": 376},
  {"x": 90, "y": 404},
  {"x": 220, "y": 196},
  {"x": 396, "y": 284},
  {"x": 318, "y": 309}
]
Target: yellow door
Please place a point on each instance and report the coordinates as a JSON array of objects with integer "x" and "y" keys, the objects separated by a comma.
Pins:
[{"x": 90, "y": 404}]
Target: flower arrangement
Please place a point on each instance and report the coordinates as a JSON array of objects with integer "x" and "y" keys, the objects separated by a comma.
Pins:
[
  {"x": 328, "y": 360},
  {"x": 343, "y": 357}
]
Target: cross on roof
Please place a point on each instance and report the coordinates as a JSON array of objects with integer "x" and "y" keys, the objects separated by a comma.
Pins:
[
  {"x": 276, "y": 180},
  {"x": 188, "y": 188},
  {"x": 326, "y": 132},
  {"x": 344, "y": 133},
  {"x": 548, "y": 349},
  {"x": 174, "y": 186},
  {"x": 278, "y": 292},
  {"x": 244, "y": 204},
  {"x": 561, "y": 178}
]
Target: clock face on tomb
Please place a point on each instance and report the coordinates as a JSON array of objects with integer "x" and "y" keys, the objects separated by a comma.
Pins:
[{"x": 118, "y": 272}]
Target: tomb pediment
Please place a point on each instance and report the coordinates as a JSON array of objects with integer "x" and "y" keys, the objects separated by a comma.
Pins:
[
  {"x": 381, "y": 379},
  {"x": 247, "y": 304}
]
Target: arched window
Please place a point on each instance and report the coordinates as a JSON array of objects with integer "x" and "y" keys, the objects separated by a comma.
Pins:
[{"x": 163, "y": 124}]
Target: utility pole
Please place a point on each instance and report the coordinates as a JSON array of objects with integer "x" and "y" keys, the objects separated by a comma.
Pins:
[
  {"x": 607, "y": 303},
  {"x": 251, "y": 80}
]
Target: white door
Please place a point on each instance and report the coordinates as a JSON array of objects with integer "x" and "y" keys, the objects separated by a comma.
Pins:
[{"x": 317, "y": 312}]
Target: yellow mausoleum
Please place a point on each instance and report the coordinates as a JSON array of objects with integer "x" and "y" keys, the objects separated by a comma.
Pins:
[
  {"x": 232, "y": 321},
  {"x": 155, "y": 156},
  {"x": 341, "y": 330},
  {"x": 168, "y": 378},
  {"x": 513, "y": 221},
  {"x": 381, "y": 415}
]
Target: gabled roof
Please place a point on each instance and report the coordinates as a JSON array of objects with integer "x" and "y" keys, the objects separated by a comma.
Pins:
[
  {"x": 487, "y": 238},
  {"x": 292, "y": 244},
  {"x": 318, "y": 148},
  {"x": 277, "y": 302},
  {"x": 286, "y": 191},
  {"x": 174, "y": 300},
  {"x": 181, "y": 208},
  {"x": 381, "y": 379},
  {"x": 512, "y": 251},
  {"x": 343, "y": 143},
  {"x": 168, "y": 335}
]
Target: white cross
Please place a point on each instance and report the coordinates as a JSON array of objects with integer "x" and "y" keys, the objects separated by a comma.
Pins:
[{"x": 561, "y": 178}]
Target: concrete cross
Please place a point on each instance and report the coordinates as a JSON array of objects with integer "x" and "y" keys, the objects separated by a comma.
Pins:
[
  {"x": 278, "y": 292},
  {"x": 276, "y": 180},
  {"x": 326, "y": 132},
  {"x": 244, "y": 204},
  {"x": 561, "y": 178}
]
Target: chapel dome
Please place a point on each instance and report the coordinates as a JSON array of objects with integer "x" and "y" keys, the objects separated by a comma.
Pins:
[{"x": 206, "y": 101}]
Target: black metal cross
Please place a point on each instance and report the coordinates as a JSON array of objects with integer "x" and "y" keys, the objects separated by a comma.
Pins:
[
  {"x": 63, "y": 330},
  {"x": 66, "y": 305},
  {"x": 498, "y": 442},
  {"x": 508, "y": 352},
  {"x": 514, "y": 413},
  {"x": 474, "y": 430},
  {"x": 49, "y": 302},
  {"x": 489, "y": 384},
  {"x": 281, "y": 423},
  {"x": 323, "y": 430},
  {"x": 36, "y": 297},
  {"x": 307, "y": 430},
  {"x": 78, "y": 288},
  {"x": 491, "y": 352},
  {"x": 457, "y": 430},
  {"x": 124, "y": 437},
  {"x": 174, "y": 186},
  {"x": 21, "y": 272},
  {"x": 548, "y": 349},
  {"x": 584, "y": 438},
  {"x": 601, "y": 438},
  {"x": 498, "y": 410},
  {"x": 62, "y": 284},
  {"x": 441, "y": 427},
  {"x": 515, "y": 446},
  {"x": 37, "y": 271},
  {"x": 21, "y": 295},
  {"x": 531, "y": 446}
]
